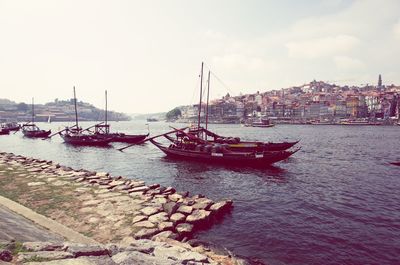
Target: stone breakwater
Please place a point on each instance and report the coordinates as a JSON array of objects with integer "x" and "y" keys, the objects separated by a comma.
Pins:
[
  {"x": 143, "y": 252},
  {"x": 104, "y": 207}
]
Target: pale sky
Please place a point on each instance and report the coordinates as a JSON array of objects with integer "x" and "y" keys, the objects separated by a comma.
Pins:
[{"x": 147, "y": 54}]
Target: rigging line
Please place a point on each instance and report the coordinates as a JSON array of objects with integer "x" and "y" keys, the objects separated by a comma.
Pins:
[
  {"x": 194, "y": 91},
  {"x": 219, "y": 79}
]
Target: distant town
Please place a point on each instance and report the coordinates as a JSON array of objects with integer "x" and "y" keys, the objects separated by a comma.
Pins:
[
  {"x": 315, "y": 102},
  {"x": 59, "y": 110}
]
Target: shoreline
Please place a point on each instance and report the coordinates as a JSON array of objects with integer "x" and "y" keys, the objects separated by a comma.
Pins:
[{"x": 105, "y": 208}]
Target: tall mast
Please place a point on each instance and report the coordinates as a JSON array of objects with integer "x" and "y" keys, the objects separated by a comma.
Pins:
[
  {"x": 208, "y": 97},
  {"x": 201, "y": 92},
  {"x": 33, "y": 111},
  {"x": 106, "y": 110},
  {"x": 76, "y": 111}
]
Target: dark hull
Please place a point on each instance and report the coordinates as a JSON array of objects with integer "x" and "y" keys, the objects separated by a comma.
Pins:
[
  {"x": 126, "y": 138},
  {"x": 4, "y": 131},
  {"x": 87, "y": 140},
  {"x": 230, "y": 158},
  {"x": 36, "y": 134},
  {"x": 13, "y": 128},
  {"x": 396, "y": 163}
]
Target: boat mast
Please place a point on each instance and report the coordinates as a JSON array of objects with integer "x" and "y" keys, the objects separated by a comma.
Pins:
[
  {"x": 76, "y": 111},
  {"x": 33, "y": 111},
  {"x": 201, "y": 92},
  {"x": 106, "y": 111},
  {"x": 208, "y": 97}
]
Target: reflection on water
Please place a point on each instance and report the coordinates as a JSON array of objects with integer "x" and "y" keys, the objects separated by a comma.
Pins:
[{"x": 335, "y": 201}]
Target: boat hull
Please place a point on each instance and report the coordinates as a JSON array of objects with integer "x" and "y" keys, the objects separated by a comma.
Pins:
[
  {"x": 229, "y": 158},
  {"x": 4, "y": 131},
  {"x": 126, "y": 138},
  {"x": 36, "y": 134},
  {"x": 86, "y": 140}
]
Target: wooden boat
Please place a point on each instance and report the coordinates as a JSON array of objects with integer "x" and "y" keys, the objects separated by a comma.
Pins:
[
  {"x": 236, "y": 144},
  {"x": 4, "y": 131},
  {"x": 31, "y": 130},
  {"x": 190, "y": 147},
  {"x": 77, "y": 136},
  {"x": 12, "y": 126},
  {"x": 395, "y": 163},
  {"x": 104, "y": 131}
]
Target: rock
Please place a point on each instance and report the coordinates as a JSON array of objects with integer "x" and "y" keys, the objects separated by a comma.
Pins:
[
  {"x": 150, "y": 210},
  {"x": 146, "y": 224},
  {"x": 154, "y": 186},
  {"x": 170, "y": 207},
  {"x": 127, "y": 241},
  {"x": 42, "y": 246},
  {"x": 103, "y": 260},
  {"x": 185, "y": 209},
  {"x": 164, "y": 234},
  {"x": 198, "y": 216},
  {"x": 102, "y": 174},
  {"x": 175, "y": 197},
  {"x": 139, "y": 218},
  {"x": 177, "y": 218},
  {"x": 79, "y": 250},
  {"x": 5, "y": 255},
  {"x": 32, "y": 184},
  {"x": 169, "y": 190},
  {"x": 158, "y": 218},
  {"x": 129, "y": 258},
  {"x": 165, "y": 226},
  {"x": 221, "y": 206},
  {"x": 139, "y": 189},
  {"x": 47, "y": 255},
  {"x": 146, "y": 233},
  {"x": 202, "y": 203},
  {"x": 180, "y": 254},
  {"x": 184, "y": 228}
]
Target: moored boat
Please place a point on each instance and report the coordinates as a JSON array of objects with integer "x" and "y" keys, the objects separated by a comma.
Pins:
[
  {"x": 31, "y": 130},
  {"x": 190, "y": 147},
  {"x": 396, "y": 163},
  {"x": 103, "y": 130},
  {"x": 11, "y": 126},
  {"x": 4, "y": 131},
  {"x": 77, "y": 136},
  {"x": 261, "y": 123}
]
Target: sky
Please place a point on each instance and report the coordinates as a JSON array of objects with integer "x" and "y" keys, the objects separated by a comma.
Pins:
[{"x": 148, "y": 54}]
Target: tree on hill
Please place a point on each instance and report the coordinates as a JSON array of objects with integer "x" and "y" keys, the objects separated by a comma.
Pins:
[{"x": 173, "y": 114}]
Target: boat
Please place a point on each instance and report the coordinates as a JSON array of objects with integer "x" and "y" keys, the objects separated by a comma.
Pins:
[
  {"x": 236, "y": 144},
  {"x": 75, "y": 135},
  {"x": 103, "y": 130},
  {"x": 194, "y": 145},
  {"x": 4, "y": 131},
  {"x": 396, "y": 163},
  {"x": 189, "y": 147},
  {"x": 31, "y": 130},
  {"x": 151, "y": 119},
  {"x": 262, "y": 123},
  {"x": 12, "y": 126},
  {"x": 359, "y": 122}
]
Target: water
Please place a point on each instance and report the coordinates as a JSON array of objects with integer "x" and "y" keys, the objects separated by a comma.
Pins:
[{"x": 334, "y": 202}]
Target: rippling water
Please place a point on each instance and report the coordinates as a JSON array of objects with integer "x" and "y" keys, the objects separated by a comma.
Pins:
[{"x": 337, "y": 201}]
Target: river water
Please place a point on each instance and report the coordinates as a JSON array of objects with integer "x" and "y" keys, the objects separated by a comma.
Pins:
[{"x": 336, "y": 201}]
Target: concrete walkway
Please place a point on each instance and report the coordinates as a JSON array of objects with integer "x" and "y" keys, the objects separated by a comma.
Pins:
[
  {"x": 22, "y": 224},
  {"x": 14, "y": 226}
]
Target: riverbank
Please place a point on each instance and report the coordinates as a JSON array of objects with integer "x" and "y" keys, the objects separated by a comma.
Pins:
[{"x": 108, "y": 209}]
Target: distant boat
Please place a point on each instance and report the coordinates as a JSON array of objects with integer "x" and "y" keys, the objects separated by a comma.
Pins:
[
  {"x": 4, "y": 131},
  {"x": 151, "y": 120},
  {"x": 262, "y": 123},
  {"x": 395, "y": 163},
  {"x": 12, "y": 126},
  {"x": 31, "y": 130}
]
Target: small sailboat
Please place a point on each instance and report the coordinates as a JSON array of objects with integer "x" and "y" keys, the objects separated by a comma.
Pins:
[
  {"x": 77, "y": 136},
  {"x": 31, "y": 130},
  {"x": 103, "y": 129}
]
